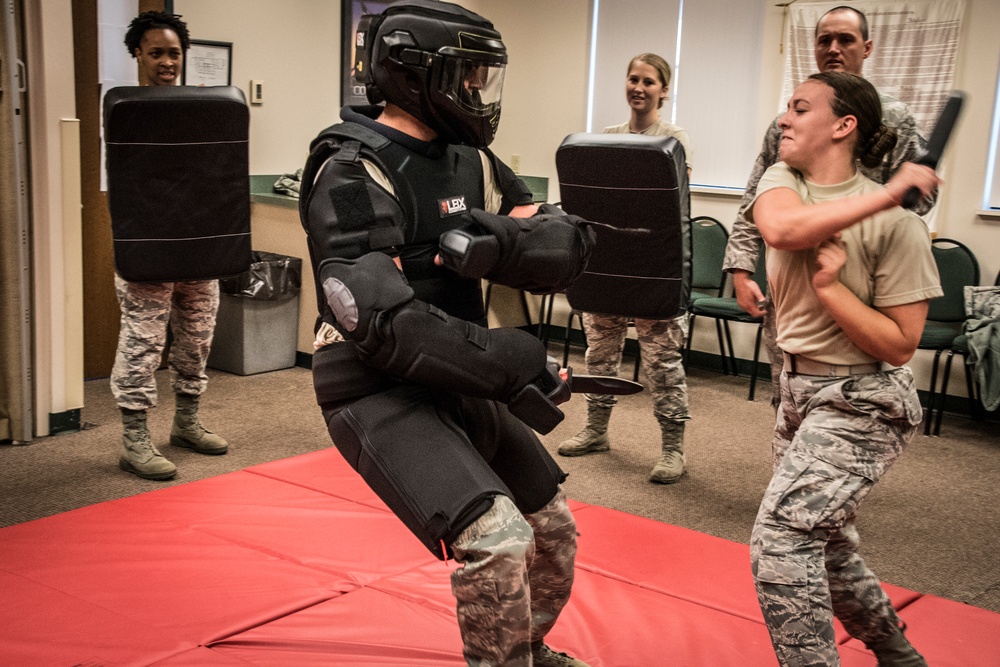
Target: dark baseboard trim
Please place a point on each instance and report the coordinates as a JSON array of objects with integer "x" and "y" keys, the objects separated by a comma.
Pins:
[
  {"x": 303, "y": 359},
  {"x": 64, "y": 422}
]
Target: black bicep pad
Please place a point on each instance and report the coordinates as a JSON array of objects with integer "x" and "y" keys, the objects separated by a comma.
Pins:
[{"x": 358, "y": 290}]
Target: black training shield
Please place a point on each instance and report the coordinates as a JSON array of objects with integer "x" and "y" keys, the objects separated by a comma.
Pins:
[
  {"x": 178, "y": 181},
  {"x": 635, "y": 189}
]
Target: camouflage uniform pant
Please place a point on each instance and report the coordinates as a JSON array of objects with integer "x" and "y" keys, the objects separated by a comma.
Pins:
[
  {"x": 190, "y": 308},
  {"x": 660, "y": 346},
  {"x": 769, "y": 335},
  {"x": 834, "y": 439},
  {"x": 516, "y": 576}
]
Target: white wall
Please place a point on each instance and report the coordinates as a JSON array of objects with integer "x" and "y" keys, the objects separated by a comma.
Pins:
[
  {"x": 545, "y": 86},
  {"x": 966, "y": 158},
  {"x": 294, "y": 47}
]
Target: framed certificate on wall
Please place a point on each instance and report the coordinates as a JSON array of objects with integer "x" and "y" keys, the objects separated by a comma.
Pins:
[
  {"x": 208, "y": 63},
  {"x": 351, "y": 11}
]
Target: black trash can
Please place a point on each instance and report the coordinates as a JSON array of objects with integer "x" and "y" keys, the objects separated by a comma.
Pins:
[{"x": 257, "y": 328}]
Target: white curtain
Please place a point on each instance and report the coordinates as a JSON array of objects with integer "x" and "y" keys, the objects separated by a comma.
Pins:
[
  {"x": 913, "y": 59},
  {"x": 626, "y": 28},
  {"x": 713, "y": 47},
  {"x": 719, "y": 88}
]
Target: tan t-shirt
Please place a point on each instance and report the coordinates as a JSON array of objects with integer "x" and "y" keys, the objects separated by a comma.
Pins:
[
  {"x": 660, "y": 129},
  {"x": 889, "y": 263}
]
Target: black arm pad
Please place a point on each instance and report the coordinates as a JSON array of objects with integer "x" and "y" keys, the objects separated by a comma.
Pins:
[
  {"x": 544, "y": 253},
  {"x": 417, "y": 342}
]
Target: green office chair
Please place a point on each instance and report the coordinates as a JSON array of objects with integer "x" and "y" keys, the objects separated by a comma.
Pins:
[
  {"x": 725, "y": 310},
  {"x": 708, "y": 251},
  {"x": 958, "y": 267}
]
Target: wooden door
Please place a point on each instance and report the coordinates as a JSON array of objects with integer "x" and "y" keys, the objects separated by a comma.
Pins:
[{"x": 101, "y": 316}]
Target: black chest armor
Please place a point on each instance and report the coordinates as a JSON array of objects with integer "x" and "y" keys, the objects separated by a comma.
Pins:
[{"x": 432, "y": 188}]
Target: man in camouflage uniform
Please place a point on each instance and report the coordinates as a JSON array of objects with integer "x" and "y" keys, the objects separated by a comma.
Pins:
[
  {"x": 158, "y": 42},
  {"x": 842, "y": 44}
]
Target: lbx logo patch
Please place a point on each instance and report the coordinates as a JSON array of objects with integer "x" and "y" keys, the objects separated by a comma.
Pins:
[
  {"x": 360, "y": 40},
  {"x": 451, "y": 206}
]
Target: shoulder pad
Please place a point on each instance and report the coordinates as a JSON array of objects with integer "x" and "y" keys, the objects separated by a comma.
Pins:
[
  {"x": 350, "y": 136},
  {"x": 350, "y": 131}
]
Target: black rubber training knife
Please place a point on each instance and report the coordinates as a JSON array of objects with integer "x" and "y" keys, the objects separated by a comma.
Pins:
[
  {"x": 939, "y": 139},
  {"x": 599, "y": 384}
]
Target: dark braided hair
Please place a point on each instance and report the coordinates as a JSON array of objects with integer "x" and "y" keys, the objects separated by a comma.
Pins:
[
  {"x": 855, "y": 96},
  {"x": 152, "y": 21}
]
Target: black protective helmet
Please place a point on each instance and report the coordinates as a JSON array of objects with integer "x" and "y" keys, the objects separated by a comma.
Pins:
[{"x": 437, "y": 61}]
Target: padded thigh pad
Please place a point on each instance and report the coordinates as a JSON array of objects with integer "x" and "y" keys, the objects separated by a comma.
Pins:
[
  {"x": 178, "y": 181},
  {"x": 409, "y": 447},
  {"x": 637, "y": 186}
]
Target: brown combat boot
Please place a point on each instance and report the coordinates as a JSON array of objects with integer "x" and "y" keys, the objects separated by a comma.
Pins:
[
  {"x": 543, "y": 656},
  {"x": 670, "y": 467}
]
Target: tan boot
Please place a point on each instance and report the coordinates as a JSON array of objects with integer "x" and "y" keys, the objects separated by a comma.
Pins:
[
  {"x": 670, "y": 467},
  {"x": 188, "y": 432},
  {"x": 138, "y": 454},
  {"x": 594, "y": 436}
]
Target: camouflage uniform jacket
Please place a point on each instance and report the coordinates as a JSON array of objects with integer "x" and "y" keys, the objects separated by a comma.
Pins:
[
  {"x": 745, "y": 241},
  {"x": 982, "y": 306}
]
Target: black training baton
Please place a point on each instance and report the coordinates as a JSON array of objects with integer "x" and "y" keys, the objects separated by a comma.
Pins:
[{"x": 939, "y": 139}]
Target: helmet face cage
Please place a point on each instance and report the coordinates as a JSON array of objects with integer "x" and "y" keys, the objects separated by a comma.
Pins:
[{"x": 440, "y": 63}]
